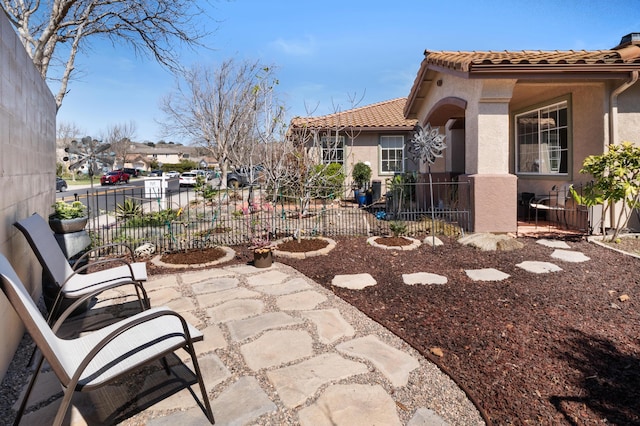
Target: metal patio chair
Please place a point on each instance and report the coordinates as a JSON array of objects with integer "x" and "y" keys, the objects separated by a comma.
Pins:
[
  {"x": 98, "y": 358},
  {"x": 553, "y": 203},
  {"x": 74, "y": 283}
]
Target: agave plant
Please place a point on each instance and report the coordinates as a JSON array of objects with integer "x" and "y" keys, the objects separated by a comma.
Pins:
[{"x": 129, "y": 208}]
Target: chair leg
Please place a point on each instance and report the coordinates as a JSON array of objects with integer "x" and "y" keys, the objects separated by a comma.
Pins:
[
  {"x": 64, "y": 405},
  {"x": 203, "y": 390},
  {"x": 32, "y": 382}
]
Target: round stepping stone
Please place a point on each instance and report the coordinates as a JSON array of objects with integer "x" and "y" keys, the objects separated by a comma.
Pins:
[
  {"x": 538, "y": 267},
  {"x": 423, "y": 278},
  {"x": 353, "y": 281},
  {"x": 569, "y": 256},
  {"x": 553, "y": 243},
  {"x": 486, "y": 274}
]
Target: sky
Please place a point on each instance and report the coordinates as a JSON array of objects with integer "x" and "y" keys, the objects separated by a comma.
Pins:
[{"x": 328, "y": 53}]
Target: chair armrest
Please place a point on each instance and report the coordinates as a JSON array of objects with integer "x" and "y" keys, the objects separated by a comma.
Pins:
[
  {"x": 80, "y": 301},
  {"x": 125, "y": 325},
  {"x": 99, "y": 262},
  {"x": 87, "y": 253}
]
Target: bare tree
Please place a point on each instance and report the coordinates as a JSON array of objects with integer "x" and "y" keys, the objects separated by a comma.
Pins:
[
  {"x": 119, "y": 136},
  {"x": 54, "y": 32},
  {"x": 217, "y": 108},
  {"x": 316, "y": 145}
]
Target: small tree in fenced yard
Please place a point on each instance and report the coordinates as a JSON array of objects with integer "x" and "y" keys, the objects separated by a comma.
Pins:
[
  {"x": 616, "y": 182},
  {"x": 427, "y": 145},
  {"x": 315, "y": 147}
]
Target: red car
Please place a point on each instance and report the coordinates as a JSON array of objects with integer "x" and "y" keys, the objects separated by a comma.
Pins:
[{"x": 116, "y": 176}]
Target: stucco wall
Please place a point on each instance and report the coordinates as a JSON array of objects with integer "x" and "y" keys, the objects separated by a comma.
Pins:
[
  {"x": 589, "y": 104},
  {"x": 629, "y": 115},
  {"x": 365, "y": 147},
  {"x": 27, "y": 169}
]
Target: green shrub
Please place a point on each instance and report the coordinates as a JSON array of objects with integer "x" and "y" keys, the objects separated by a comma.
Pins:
[
  {"x": 361, "y": 174},
  {"x": 330, "y": 179}
]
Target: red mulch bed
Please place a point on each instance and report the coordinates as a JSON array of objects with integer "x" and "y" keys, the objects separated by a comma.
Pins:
[{"x": 558, "y": 348}]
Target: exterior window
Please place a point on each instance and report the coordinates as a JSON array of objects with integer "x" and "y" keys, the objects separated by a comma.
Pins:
[
  {"x": 332, "y": 149},
  {"x": 391, "y": 154},
  {"x": 542, "y": 140}
]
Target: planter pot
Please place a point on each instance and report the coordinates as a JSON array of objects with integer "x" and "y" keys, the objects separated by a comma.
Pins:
[
  {"x": 362, "y": 199},
  {"x": 67, "y": 226},
  {"x": 262, "y": 258}
]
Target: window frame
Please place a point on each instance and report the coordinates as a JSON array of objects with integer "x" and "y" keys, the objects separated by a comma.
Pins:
[
  {"x": 323, "y": 148},
  {"x": 560, "y": 103},
  {"x": 381, "y": 149}
]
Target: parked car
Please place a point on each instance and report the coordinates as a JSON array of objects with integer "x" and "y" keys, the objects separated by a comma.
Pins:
[
  {"x": 114, "y": 177},
  {"x": 241, "y": 176},
  {"x": 155, "y": 173},
  {"x": 61, "y": 184},
  {"x": 173, "y": 174},
  {"x": 131, "y": 172},
  {"x": 188, "y": 179},
  {"x": 200, "y": 173}
]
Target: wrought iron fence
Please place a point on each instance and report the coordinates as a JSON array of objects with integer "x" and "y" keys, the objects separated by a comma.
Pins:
[{"x": 188, "y": 218}]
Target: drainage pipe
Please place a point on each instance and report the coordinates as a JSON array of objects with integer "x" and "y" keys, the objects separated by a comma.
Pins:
[{"x": 613, "y": 122}]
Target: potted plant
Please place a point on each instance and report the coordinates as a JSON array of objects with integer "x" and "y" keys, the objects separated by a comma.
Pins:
[
  {"x": 68, "y": 217},
  {"x": 261, "y": 245},
  {"x": 361, "y": 175}
]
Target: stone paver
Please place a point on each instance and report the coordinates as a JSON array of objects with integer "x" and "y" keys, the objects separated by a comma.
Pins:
[
  {"x": 353, "y": 281},
  {"x": 486, "y": 274},
  {"x": 298, "y": 382},
  {"x": 277, "y": 347},
  {"x": 394, "y": 364},
  {"x": 423, "y": 278},
  {"x": 249, "y": 327},
  {"x": 219, "y": 297},
  {"x": 241, "y": 403},
  {"x": 553, "y": 243},
  {"x": 161, "y": 297},
  {"x": 346, "y": 405},
  {"x": 235, "y": 309},
  {"x": 538, "y": 267},
  {"x": 569, "y": 256},
  {"x": 426, "y": 417},
  {"x": 204, "y": 275},
  {"x": 267, "y": 278},
  {"x": 300, "y": 301},
  {"x": 291, "y": 286},
  {"x": 218, "y": 284},
  {"x": 330, "y": 324}
]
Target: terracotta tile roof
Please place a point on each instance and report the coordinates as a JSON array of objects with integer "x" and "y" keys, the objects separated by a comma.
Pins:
[
  {"x": 470, "y": 61},
  {"x": 614, "y": 63},
  {"x": 381, "y": 115}
]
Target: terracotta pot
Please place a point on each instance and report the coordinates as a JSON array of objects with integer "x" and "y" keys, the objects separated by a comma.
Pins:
[
  {"x": 67, "y": 226},
  {"x": 262, "y": 258}
]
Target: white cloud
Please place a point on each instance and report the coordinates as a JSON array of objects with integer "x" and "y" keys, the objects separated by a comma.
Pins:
[{"x": 304, "y": 47}]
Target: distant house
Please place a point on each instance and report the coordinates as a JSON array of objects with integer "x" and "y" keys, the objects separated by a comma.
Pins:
[
  {"x": 376, "y": 134},
  {"x": 142, "y": 155},
  {"x": 523, "y": 121}
]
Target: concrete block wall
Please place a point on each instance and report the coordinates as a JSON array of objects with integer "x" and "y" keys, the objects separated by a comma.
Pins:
[{"x": 27, "y": 170}]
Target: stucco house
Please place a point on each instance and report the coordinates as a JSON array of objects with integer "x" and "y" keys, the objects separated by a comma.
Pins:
[
  {"x": 523, "y": 121},
  {"x": 376, "y": 134}
]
